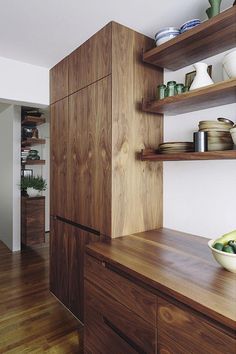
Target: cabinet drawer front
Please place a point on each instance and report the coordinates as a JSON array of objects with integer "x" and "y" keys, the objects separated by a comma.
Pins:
[
  {"x": 134, "y": 331},
  {"x": 91, "y": 61},
  {"x": 121, "y": 289},
  {"x": 191, "y": 332},
  {"x": 100, "y": 338}
]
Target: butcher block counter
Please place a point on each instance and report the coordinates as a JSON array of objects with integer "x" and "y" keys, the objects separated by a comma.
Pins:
[{"x": 159, "y": 291}]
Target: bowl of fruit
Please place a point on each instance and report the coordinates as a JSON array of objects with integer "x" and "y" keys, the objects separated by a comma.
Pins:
[{"x": 224, "y": 250}]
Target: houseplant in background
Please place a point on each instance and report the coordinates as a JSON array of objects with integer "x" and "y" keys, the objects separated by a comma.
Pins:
[{"x": 32, "y": 186}]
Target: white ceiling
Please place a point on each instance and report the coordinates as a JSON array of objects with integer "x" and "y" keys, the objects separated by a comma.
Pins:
[{"x": 42, "y": 32}]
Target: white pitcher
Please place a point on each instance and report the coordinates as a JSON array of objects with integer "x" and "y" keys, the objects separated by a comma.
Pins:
[{"x": 202, "y": 77}]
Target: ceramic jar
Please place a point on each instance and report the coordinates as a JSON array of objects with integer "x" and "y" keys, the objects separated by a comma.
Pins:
[{"x": 202, "y": 77}]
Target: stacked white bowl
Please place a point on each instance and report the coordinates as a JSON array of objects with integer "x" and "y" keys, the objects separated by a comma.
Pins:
[{"x": 165, "y": 34}]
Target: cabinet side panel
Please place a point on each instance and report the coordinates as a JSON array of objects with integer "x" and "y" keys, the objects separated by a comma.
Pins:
[
  {"x": 90, "y": 156},
  {"x": 59, "y": 260},
  {"x": 136, "y": 186},
  {"x": 59, "y": 81},
  {"x": 59, "y": 156}
]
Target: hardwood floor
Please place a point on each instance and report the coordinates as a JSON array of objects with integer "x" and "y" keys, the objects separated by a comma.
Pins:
[{"x": 31, "y": 319}]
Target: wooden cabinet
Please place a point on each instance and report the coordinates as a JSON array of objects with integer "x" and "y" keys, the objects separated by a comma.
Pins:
[
  {"x": 97, "y": 180},
  {"x": 59, "y": 158},
  {"x": 59, "y": 81},
  {"x": 67, "y": 244},
  {"x": 91, "y": 61},
  {"x": 32, "y": 220},
  {"x": 89, "y": 156}
]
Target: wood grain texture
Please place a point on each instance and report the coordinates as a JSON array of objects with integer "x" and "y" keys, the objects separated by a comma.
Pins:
[
  {"x": 31, "y": 320},
  {"x": 169, "y": 346},
  {"x": 121, "y": 289},
  {"x": 89, "y": 156},
  {"x": 133, "y": 183},
  {"x": 67, "y": 264},
  {"x": 189, "y": 331},
  {"x": 209, "y": 38},
  {"x": 122, "y": 320},
  {"x": 178, "y": 265},
  {"x": 91, "y": 61},
  {"x": 151, "y": 155},
  {"x": 32, "y": 220},
  {"x": 99, "y": 338},
  {"x": 218, "y": 94},
  {"x": 59, "y": 81},
  {"x": 59, "y": 188}
]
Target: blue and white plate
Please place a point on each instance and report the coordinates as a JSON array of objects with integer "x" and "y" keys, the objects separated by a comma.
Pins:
[{"x": 189, "y": 25}]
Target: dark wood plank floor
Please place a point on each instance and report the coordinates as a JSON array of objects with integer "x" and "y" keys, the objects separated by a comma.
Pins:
[{"x": 31, "y": 319}]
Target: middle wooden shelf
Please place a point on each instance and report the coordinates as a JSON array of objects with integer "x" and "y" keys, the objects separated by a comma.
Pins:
[
  {"x": 218, "y": 94},
  {"x": 32, "y": 142}
]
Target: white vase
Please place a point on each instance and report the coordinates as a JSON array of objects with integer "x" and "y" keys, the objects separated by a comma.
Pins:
[
  {"x": 202, "y": 77},
  {"x": 32, "y": 192}
]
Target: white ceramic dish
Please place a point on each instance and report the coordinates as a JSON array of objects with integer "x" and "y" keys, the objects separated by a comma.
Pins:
[
  {"x": 226, "y": 260},
  {"x": 166, "y": 30},
  {"x": 233, "y": 134},
  {"x": 165, "y": 39},
  {"x": 229, "y": 65}
]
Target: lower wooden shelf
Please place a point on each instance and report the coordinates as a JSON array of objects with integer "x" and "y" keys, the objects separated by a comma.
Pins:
[{"x": 152, "y": 155}]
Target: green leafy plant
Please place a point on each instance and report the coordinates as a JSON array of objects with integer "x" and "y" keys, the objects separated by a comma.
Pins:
[{"x": 37, "y": 183}]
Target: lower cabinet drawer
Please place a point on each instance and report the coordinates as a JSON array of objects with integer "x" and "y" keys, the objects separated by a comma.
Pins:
[
  {"x": 122, "y": 330},
  {"x": 178, "y": 328},
  {"x": 129, "y": 294}
]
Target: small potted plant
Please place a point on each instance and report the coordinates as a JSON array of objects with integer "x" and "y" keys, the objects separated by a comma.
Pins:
[{"x": 32, "y": 186}]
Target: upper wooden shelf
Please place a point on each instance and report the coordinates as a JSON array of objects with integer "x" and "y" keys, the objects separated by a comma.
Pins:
[
  {"x": 206, "y": 97},
  {"x": 32, "y": 142},
  {"x": 151, "y": 155},
  {"x": 209, "y": 38},
  {"x": 31, "y": 120}
]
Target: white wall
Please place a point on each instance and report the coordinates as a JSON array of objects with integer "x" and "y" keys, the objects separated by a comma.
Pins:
[
  {"x": 24, "y": 83},
  {"x": 199, "y": 196},
  {"x": 10, "y": 134}
]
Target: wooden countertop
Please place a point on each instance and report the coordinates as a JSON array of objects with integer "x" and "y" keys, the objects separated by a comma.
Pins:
[{"x": 177, "y": 264}]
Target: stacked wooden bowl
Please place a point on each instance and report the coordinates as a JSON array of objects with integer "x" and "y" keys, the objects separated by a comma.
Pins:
[
  {"x": 218, "y": 134},
  {"x": 175, "y": 147}
]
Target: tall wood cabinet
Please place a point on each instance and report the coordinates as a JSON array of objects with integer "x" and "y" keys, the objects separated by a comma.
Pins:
[{"x": 97, "y": 127}]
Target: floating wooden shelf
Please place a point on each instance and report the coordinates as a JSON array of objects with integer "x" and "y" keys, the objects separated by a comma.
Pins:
[
  {"x": 34, "y": 162},
  {"x": 151, "y": 155},
  {"x": 32, "y": 142},
  {"x": 209, "y": 96},
  {"x": 209, "y": 38},
  {"x": 31, "y": 120}
]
